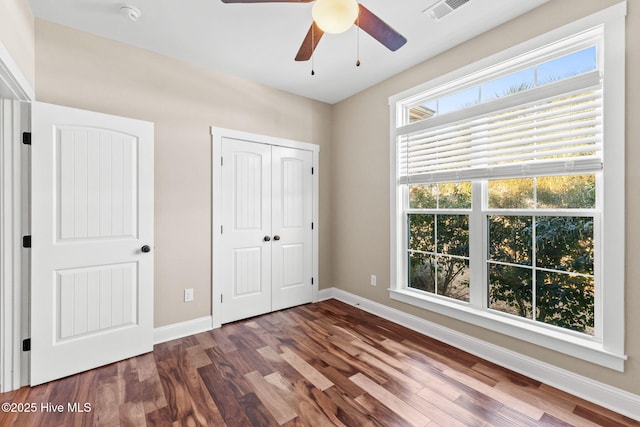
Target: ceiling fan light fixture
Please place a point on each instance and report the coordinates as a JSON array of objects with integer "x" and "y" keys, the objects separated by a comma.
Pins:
[{"x": 335, "y": 16}]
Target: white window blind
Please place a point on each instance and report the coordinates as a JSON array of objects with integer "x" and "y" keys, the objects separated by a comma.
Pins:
[{"x": 552, "y": 129}]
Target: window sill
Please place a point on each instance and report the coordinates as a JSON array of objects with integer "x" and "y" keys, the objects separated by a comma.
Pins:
[{"x": 585, "y": 348}]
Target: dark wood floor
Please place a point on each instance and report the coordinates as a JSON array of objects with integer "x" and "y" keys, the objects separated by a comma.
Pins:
[{"x": 321, "y": 364}]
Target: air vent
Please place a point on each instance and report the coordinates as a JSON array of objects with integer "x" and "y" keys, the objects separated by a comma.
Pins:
[{"x": 444, "y": 7}]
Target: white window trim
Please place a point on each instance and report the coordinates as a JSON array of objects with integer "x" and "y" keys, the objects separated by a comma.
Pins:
[{"x": 610, "y": 351}]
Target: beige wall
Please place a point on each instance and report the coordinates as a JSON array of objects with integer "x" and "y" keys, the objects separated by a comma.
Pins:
[
  {"x": 85, "y": 71},
  {"x": 360, "y": 160},
  {"x": 16, "y": 33}
]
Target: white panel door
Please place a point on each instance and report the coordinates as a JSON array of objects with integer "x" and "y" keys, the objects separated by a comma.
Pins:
[
  {"x": 246, "y": 234},
  {"x": 267, "y": 203},
  {"x": 292, "y": 203},
  {"x": 92, "y": 234}
]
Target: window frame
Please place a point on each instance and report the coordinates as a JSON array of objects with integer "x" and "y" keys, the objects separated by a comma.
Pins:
[{"x": 606, "y": 348}]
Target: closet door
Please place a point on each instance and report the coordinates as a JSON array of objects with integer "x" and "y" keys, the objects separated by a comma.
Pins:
[
  {"x": 246, "y": 233},
  {"x": 291, "y": 227},
  {"x": 266, "y": 233}
]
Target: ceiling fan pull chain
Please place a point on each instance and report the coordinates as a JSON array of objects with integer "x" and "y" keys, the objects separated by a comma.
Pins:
[
  {"x": 358, "y": 40},
  {"x": 313, "y": 24}
]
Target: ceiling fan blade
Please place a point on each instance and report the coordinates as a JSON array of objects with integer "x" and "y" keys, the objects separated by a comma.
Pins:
[
  {"x": 267, "y": 1},
  {"x": 379, "y": 30},
  {"x": 310, "y": 42}
]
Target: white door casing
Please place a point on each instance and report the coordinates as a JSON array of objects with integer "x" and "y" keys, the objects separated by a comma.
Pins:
[
  {"x": 14, "y": 119},
  {"x": 92, "y": 212},
  {"x": 12, "y": 227},
  {"x": 289, "y": 189}
]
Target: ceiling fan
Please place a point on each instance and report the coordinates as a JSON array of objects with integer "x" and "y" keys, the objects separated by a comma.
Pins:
[{"x": 337, "y": 16}]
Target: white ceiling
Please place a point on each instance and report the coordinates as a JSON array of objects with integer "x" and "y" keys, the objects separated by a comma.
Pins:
[{"x": 259, "y": 41}]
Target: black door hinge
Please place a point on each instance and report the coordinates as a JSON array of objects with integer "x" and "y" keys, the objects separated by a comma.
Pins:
[
  {"x": 26, "y": 241},
  {"x": 26, "y": 344},
  {"x": 312, "y": 280},
  {"x": 311, "y": 171},
  {"x": 26, "y": 138}
]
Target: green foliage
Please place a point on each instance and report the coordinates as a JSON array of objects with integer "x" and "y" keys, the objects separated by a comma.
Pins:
[
  {"x": 510, "y": 290},
  {"x": 560, "y": 278},
  {"x": 510, "y": 239},
  {"x": 563, "y": 244},
  {"x": 515, "y": 88},
  {"x": 423, "y": 196},
  {"x": 456, "y": 195},
  {"x": 551, "y": 192},
  {"x": 441, "y": 274},
  {"x": 511, "y": 193},
  {"x": 566, "y": 192},
  {"x": 565, "y": 300}
]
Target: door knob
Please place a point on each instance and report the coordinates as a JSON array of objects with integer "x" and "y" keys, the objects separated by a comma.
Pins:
[
  {"x": 146, "y": 248},
  {"x": 267, "y": 238},
  {"x": 276, "y": 237}
]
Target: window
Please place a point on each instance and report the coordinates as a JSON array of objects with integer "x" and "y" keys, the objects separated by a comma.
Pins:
[
  {"x": 541, "y": 246},
  {"x": 438, "y": 240},
  {"x": 509, "y": 187}
]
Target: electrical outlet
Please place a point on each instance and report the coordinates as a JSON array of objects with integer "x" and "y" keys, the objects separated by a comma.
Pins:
[
  {"x": 188, "y": 295},
  {"x": 373, "y": 280}
]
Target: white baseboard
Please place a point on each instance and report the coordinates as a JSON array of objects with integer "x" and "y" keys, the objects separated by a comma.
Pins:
[
  {"x": 182, "y": 329},
  {"x": 599, "y": 393}
]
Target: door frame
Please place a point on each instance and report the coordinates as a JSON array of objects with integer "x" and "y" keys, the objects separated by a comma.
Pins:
[
  {"x": 14, "y": 199},
  {"x": 217, "y": 135}
]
